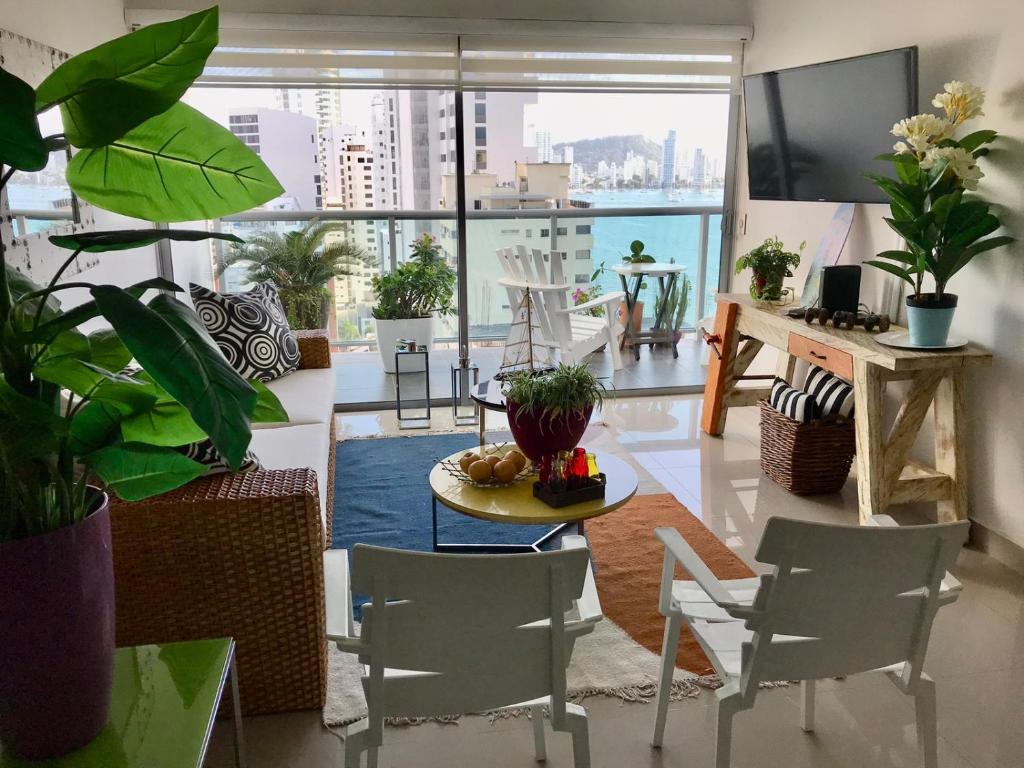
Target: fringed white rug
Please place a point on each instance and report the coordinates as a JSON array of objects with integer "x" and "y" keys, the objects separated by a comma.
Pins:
[{"x": 606, "y": 662}]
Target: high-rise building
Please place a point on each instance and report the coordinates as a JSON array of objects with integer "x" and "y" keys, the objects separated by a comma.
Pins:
[
  {"x": 544, "y": 153},
  {"x": 568, "y": 153},
  {"x": 698, "y": 173},
  {"x": 287, "y": 143},
  {"x": 668, "y": 160},
  {"x": 321, "y": 104},
  {"x": 387, "y": 157}
]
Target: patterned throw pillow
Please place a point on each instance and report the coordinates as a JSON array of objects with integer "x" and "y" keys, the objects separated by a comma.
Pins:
[
  {"x": 204, "y": 453},
  {"x": 834, "y": 397},
  {"x": 251, "y": 330},
  {"x": 791, "y": 402}
]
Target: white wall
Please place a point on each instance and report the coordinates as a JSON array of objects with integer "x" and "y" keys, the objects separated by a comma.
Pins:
[
  {"x": 980, "y": 43},
  {"x": 74, "y": 26}
]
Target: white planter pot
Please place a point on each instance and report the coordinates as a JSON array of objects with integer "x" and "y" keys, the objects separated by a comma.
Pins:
[{"x": 390, "y": 331}]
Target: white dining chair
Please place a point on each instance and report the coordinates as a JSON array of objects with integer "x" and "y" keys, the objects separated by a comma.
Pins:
[
  {"x": 454, "y": 634},
  {"x": 841, "y": 600}
]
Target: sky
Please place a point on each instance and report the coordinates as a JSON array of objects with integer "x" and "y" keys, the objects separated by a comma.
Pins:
[{"x": 699, "y": 119}]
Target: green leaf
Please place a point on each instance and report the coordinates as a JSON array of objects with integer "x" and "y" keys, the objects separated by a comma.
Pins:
[
  {"x": 178, "y": 166},
  {"x": 986, "y": 225},
  {"x": 20, "y": 284},
  {"x": 28, "y": 428},
  {"x": 88, "y": 380},
  {"x": 907, "y": 168},
  {"x": 95, "y": 426},
  {"x": 909, "y": 231},
  {"x": 21, "y": 144},
  {"x": 987, "y": 245},
  {"x": 107, "y": 351},
  {"x": 107, "y": 91},
  {"x": 902, "y": 256},
  {"x": 90, "y": 311},
  {"x": 972, "y": 141},
  {"x": 167, "y": 423},
  {"x": 171, "y": 344},
  {"x": 892, "y": 269},
  {"x": 137, "y": 471},
  {"x": 942, "y": 207},
  {"x": 121, "y": 240},
  {"x": 268, "y": 408}
]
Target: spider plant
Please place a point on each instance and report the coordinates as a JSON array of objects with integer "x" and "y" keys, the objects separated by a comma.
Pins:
[{"x": 567, "y": 390}]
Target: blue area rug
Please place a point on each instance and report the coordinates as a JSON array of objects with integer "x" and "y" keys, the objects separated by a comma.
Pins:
[{"x": 382, "y": 496}]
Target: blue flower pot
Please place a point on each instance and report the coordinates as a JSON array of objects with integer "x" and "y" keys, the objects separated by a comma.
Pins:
[{"x": 929, "y": 319}]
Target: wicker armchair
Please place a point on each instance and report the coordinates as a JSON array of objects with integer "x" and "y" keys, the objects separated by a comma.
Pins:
[{"x": 237, "y": 555}]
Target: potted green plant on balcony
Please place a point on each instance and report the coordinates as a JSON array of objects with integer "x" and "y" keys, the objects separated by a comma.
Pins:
[
  {"x": 72, "y": 424},
  {"x": 408, "y": 298},
  {"x": 673, "y": 305},
  {"x": 549, "y": 412},
  {"x": 636, "y": 255},
  {"x": 934, "y": 210},
  {"x": 300, "y": 263},
  {"x": 771, "y": 264}
]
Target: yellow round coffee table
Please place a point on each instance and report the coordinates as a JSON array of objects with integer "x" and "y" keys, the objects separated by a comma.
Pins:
[{"x": 517, "y": 504}]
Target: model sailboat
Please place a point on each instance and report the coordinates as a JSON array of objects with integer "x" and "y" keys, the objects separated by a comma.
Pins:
[{"x": 525, "y": 349}]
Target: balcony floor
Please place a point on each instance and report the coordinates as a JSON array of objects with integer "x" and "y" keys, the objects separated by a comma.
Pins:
[{"x": 362, "y": 383}]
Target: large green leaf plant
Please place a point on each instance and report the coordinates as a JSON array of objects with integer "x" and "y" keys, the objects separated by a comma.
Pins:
[
  {"x": 75, "y": 416},
  {"x": 932, "y": 201}
]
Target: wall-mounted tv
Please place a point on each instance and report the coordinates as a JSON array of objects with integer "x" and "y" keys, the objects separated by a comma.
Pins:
[{"x": 812, "y": 132}]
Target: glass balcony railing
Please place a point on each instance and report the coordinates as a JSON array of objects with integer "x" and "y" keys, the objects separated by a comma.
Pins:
[{"x": 689, "y": 236}]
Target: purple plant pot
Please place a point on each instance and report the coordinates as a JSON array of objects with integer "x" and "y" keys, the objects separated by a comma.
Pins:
[
  {"x": 56, "y": 638},
  {"x": 537, "y": 437}
]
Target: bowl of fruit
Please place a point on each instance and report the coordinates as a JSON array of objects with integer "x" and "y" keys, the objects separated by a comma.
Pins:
[{"x": 492, "y": 467}]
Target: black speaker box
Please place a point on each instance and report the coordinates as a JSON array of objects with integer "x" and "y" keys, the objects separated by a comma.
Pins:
[{"x": 840, "y": 288}]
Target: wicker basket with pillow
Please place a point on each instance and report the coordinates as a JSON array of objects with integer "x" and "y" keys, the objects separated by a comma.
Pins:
[{"x": 807, "y": 436}]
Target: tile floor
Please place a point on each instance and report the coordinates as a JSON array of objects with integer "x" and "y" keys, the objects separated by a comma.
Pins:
[{"x": 976, "y": 653}]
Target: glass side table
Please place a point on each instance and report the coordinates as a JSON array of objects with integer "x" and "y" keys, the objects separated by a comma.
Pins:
[
  {"x": 407, "y": 421},
  {"x": 162, "y": 709}
]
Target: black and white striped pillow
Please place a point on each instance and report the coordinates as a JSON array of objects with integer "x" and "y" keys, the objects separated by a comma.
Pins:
[
  {"x": 791, "y": 402},
  {"x": 204, "y": 453},
  {"x": 833, "y": 396}
]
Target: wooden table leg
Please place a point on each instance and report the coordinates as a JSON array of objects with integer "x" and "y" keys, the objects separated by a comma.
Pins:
[
  {"x": 868, "y": 398},
  {"x": 949, "y": 444},
  {"x": 786, "y": 367},
  {"x": 712, "y": 420}
]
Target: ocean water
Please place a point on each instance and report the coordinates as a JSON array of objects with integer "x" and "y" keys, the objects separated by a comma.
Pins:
[{"x": 666, "y": 238}]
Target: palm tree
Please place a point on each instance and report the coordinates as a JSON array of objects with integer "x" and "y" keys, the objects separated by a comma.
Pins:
[{"x": 300, "y": 265}]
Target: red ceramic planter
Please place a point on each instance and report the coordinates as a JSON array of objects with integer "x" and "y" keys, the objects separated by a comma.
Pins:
[
  {"x": 538, "y": 437},
  {"x": 56, "y": 638}
]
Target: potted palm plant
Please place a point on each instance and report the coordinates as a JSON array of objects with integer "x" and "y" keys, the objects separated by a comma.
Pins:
[
  {"x": 771, "y": 264},
  {"x": 73, "y": 425},
  {"x": 408, "y": 297},
  {"x": 300, "y": 263},
  {"x": 549, "y": 412},
  {"x": 934, "y": 210}
]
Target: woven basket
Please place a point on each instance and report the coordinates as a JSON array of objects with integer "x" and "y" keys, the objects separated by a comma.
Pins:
[{"x": 806, "y": 458}]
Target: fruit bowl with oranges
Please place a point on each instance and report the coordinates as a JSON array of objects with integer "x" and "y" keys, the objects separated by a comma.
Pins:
[{"x": 496, "y": 466}]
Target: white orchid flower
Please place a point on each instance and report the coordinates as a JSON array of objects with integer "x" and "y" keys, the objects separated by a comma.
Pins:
[
  {"x": 960, "y": 162},
  {"x": 961, "y": 101},
  {"x": 922, "y": 132}
]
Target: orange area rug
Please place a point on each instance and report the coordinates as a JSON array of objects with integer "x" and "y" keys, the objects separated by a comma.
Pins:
[{"x": 628, "y": 562}]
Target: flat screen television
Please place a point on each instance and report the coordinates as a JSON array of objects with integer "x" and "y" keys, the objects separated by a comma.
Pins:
[{"x": 812, "y": 132}]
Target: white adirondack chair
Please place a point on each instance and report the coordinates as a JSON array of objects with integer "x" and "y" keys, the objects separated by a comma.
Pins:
[
  {"x": 570, "y": 329},
  {"x": 451, "y": 634},
  {"x": 841, "y": 600}
]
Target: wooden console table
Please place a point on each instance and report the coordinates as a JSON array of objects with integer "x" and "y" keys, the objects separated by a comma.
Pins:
[{"x": 885, "y": 474}]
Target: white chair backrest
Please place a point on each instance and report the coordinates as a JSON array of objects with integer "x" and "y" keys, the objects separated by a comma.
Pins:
[
  {"x": 457, "y": 625},
  {"x": 846, "y": 599}
]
